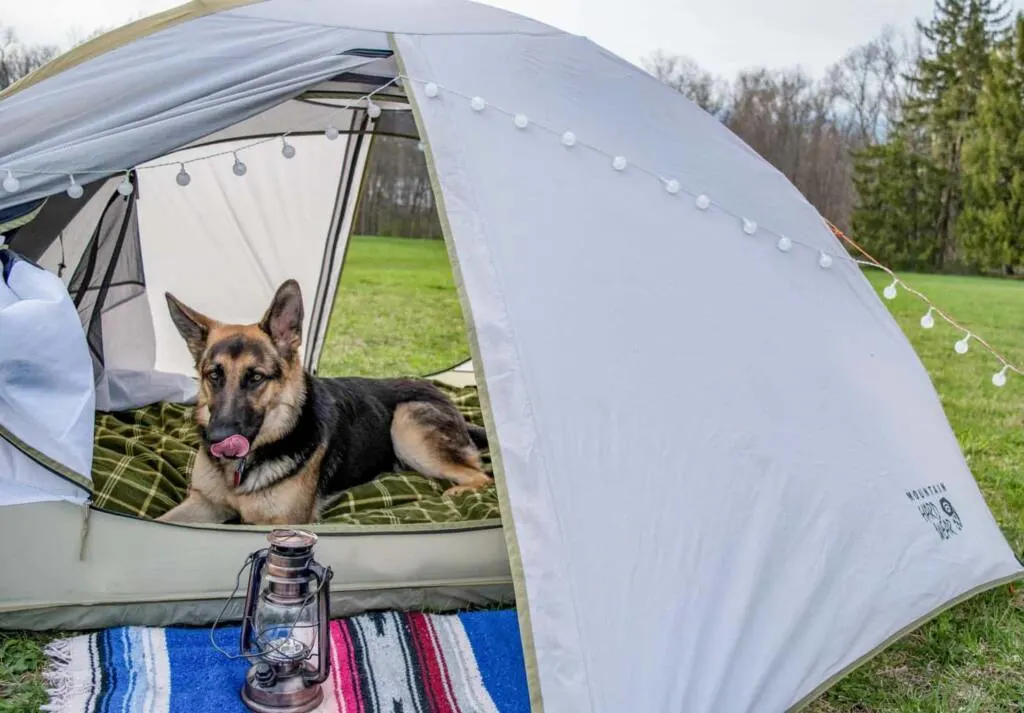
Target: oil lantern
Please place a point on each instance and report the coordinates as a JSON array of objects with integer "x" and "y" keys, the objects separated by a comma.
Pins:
[{"x": 285, "y": 627}]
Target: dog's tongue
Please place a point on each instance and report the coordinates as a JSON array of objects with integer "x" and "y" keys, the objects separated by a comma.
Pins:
[{"x": 231, "y": 447}]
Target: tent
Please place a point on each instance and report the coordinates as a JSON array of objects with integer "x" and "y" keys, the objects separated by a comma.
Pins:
[{"x": 725, "y": 478}]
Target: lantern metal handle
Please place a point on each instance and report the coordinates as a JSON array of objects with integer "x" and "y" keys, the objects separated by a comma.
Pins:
[
  {"x": 259, "y": 561},
  {"x": 323, "y": 576}
]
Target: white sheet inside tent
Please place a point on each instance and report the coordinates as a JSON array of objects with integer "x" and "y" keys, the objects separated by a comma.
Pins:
[
  {"x": 224, "y": 243},
  {"x": 46, "y": 389}
]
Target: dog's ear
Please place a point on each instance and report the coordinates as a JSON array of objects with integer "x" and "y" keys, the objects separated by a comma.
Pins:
[
  {"x": 283, "y": 320},
  {"x": 192, "y": 325}
]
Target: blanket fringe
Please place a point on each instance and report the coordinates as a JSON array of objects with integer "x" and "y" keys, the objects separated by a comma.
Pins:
[{"x": 62, "y": 681}]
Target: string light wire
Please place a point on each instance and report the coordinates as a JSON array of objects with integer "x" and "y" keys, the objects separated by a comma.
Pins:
[
  {"x": 671, "y": 185},
  {"x": 932, "y": 308}
]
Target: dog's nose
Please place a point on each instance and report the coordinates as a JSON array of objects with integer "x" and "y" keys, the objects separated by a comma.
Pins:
[{"x": 217, "y": 432}]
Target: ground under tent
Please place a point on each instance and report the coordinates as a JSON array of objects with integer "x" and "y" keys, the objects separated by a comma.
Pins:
[
  {"x": 216, "y": 243},
  {"x": 696, "y": 404}
]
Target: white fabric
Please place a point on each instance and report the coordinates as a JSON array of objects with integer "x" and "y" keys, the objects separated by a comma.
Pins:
[
  {"x": 224, "y": 243},
  {"x": 163, "y": 91},
  {"x": 46, "y": 389},
  {"x": 755, "y": 423}
]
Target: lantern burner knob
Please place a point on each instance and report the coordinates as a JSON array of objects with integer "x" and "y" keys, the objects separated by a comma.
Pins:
[{"x": 264, "y": 675}]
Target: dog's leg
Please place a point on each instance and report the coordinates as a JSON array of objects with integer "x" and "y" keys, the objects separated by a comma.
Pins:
[
  {"x": 198, "y": 509},
  {"x": 433, "y": 440}
]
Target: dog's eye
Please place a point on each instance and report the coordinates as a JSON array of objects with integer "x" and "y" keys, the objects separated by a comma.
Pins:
[
  {"x": 256, "y": 378},
  {"x": 215, "y": 376}
]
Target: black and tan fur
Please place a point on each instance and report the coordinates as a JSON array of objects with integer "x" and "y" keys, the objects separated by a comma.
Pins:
[{"x": 310, "y": 438}]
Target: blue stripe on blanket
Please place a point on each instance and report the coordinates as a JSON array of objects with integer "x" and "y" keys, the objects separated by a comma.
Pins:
[
  {"x": 494, "y": 636},
  {"x": 176, "y": 670}
]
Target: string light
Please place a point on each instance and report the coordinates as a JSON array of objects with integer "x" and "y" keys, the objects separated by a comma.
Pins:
[
  {"x": 287, "y": 150},
  {"x": 999, "y": 378},
  {"x": 183, "y": 179},
  {"x": 11, "y": 183},
  {"x": 125, "y": 187},
  {"x": 962, "y": 345},
  {"x": 890, "y": 291},
  {"x": 74, "y": 190}
]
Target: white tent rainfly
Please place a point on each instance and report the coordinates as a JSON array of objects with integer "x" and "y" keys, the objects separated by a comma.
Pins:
[{"x": 724, "y": 477}]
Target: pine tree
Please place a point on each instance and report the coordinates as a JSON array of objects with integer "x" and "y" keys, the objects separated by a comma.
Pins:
[
  {"x": 992, "y": 223},
  {"x": 922, "y": 166},
  {"x": 899, "y": 189}
]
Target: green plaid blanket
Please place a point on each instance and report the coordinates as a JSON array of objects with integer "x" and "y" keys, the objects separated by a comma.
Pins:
[{"x": 142, "y": 460}]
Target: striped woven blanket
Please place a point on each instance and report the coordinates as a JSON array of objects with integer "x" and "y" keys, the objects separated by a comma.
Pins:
[{"x": 380, "y": 663}]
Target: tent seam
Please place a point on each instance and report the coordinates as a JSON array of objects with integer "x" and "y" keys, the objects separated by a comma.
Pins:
[{"x": 239, "y": 13}]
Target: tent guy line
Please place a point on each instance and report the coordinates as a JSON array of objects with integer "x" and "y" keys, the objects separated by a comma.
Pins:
[{"x": 432, "y": 90}]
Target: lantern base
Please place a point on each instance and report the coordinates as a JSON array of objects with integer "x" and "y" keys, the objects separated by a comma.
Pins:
[{"x": 288, "y": 694}]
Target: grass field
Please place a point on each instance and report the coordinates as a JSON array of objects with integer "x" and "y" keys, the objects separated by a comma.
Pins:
[{"x": 396, "y": 313}]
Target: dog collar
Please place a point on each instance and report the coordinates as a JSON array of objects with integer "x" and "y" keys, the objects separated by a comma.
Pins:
[{"x": 239, "y": 471}]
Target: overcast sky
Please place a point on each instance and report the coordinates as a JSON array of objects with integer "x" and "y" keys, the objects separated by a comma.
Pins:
[{"x": 722, "y": 35}]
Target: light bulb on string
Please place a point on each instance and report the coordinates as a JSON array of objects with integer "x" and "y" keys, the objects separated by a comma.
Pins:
[
  {"x": 890, "y": 291},
  {"x": 74, "y": 190},
  {"x": 568, "y": 139},
  {"x": 287, "y": 150},
  {"x": 703, "y": 202},
  {"x": 927, "y": 321},
  {"x": 125, "y": 187},
  {"x": 430, "y": 90},
  {"x": 619, "y": 163},
  {"x": 962, "y": 345},
  {"x": 999, "y": 378},
  {"x": 521, "y": 121},
  {"x": 331, "y": 132},
  {"x": 785, "y": 244},
  {"x": 372, "y": 109},
  {"x": 824, "y": 261},
  {"x": 672, "y": 186},
  {"x": 477, "y": 104},
  {"x": 11, "y": 183},
  {"x": 238, "y": 168},
  {"x": 749, "y": 226},
  {"x": 183, "y": 179}
]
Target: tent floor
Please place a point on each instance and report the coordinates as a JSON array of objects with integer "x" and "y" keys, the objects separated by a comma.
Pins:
[{"x": 79, "y": 568}]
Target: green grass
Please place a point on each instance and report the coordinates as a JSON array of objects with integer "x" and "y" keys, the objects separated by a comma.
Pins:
[{"x": 397, "y": 313}]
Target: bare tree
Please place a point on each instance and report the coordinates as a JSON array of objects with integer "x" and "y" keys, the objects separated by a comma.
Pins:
[
  {"x": 868, "y": 85},
  {"x": 18, "y": 59},
  {"x": 707, "y": 91}
]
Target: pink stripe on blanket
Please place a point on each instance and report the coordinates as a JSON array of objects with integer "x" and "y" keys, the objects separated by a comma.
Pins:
[
  {"x": 433, "y": 667},
  {"x": 344, "y": 672}
]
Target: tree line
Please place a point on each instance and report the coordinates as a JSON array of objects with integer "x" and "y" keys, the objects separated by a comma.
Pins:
[{"x": 913, "y": 142}]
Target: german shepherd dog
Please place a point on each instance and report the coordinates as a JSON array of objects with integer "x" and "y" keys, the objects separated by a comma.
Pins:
[{"x": 279, "y": 444}]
